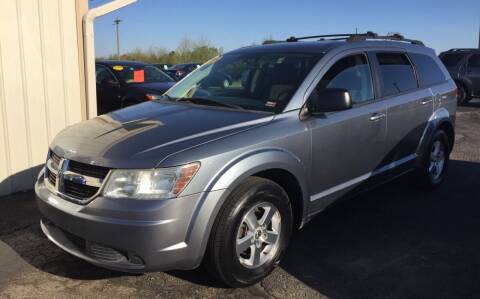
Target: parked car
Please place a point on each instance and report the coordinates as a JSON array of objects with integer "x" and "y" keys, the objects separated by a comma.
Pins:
[
  {"x": 125, "y": 83},
  {"x": 179, "y": 71},
  {"x": 163, "y": 66},
  {"x": 464, "y": 67},
  {"x": 228, "y": 163}
]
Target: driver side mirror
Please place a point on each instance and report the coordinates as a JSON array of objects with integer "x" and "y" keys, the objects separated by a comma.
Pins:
[{"x": 328, "y": 100}]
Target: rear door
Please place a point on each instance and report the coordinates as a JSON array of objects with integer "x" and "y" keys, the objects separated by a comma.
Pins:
[
  {"x": 473, "y": 72},
  {"x": 408, "y": 106}
]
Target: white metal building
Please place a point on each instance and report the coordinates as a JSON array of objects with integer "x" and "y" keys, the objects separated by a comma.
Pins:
[{"x": 43, "y": 83}]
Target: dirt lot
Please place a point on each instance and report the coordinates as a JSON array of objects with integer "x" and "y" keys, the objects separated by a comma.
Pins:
[{"x": 394, "y": 242}]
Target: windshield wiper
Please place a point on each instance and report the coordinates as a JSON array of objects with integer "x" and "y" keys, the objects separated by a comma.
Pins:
[{"x": 205, "y": 101}]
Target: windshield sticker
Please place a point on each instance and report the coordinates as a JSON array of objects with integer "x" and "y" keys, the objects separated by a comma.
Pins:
[
  {"x": 118, "y": 68},
  {"x": 271, "y": 104},
  {"x": 139, "y": 76}
]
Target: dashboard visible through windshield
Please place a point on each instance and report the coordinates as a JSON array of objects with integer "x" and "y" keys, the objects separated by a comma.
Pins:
[{"x": 253, "y": 81}]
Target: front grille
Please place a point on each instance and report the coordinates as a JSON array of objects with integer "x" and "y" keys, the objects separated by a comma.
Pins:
[
  {"x": 78, "y": 190},
  {"x": 51, "y": 177},
  {"x": 87, "y": 169},
  {"x": 77, "y": 181},
  {"x": 55, "y": 159}
]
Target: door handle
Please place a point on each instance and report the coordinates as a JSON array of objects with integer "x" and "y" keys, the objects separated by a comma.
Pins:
[
  {"x": 377, "y": 116},
  {"x": 426, "y": 101}
]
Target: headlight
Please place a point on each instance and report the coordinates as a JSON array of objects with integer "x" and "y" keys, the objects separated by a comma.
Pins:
[
  {"x": 152, "y": 97},
  {"x": 160, "y": 183}
]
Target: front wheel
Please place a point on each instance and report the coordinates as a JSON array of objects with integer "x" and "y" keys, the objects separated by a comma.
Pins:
[{"x": 250, "y": 234}]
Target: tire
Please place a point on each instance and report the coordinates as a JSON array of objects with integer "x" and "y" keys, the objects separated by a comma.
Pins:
[
  {"x": 255, "y": 197},
  {"x": 463, "y": 96},
  {"x": 434, "y": 164}
]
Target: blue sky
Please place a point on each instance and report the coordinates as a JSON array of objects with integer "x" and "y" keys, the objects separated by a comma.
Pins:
[{"x": 441, "y": 24}]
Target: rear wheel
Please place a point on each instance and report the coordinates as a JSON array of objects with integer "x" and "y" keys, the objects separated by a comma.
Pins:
[
  {"x": 250, "y": 234},
  {"x": 434, "y": 165}
]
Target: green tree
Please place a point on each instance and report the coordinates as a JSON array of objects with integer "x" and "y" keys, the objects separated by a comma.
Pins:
[{"x": 188, "y": 51}]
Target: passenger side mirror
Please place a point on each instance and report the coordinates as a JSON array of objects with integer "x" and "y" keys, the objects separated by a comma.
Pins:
[{"x": 328, "y": 100}]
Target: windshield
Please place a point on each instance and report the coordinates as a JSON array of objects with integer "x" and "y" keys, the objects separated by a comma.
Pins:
[
  {"x": 136, "y": 74},
  {"x": 253, "y": 81},
  {"x": 451, "y": 60}
]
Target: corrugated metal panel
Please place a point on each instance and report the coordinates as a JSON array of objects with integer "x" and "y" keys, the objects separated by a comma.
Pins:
[{"x": 39, "y": 84}]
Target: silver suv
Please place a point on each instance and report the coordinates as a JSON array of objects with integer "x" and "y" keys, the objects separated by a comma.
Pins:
[{"x": 222, "y": 168}]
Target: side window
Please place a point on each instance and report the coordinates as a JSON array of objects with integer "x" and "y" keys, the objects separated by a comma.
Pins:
[
  {"x": 396, "y": 73},
  {"x": 474, "y": 64},
  {"x": 351, "y": 73},
  {"x": 102, "y": 74},
  {"x": 427, "y": 69}
]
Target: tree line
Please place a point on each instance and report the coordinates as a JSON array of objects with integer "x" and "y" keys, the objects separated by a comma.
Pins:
[{"x": 188, "y": 50}]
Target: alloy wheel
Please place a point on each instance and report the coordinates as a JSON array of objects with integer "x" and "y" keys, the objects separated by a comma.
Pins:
[
  {"x": 258, "y": 235},
  {"x": 437, "y": 160}
]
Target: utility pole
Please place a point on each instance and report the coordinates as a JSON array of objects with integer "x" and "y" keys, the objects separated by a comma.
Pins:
[{"x": 116, "y": 22}]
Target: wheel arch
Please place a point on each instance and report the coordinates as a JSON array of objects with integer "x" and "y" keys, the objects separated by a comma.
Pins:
[
  {"x": 450, "y": 130},
  {"x": 275, "y": 164},
  {"x": 440, "y": 119},
  {"x": 290, "y": 184}
]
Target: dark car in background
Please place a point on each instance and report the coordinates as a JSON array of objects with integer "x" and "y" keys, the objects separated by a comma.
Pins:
[
  {"x": 163, "y": 66},
  {"x": 464, "y": 67},
  {"x": 179, "y": 71},
  {"x": 125, "y": 83}
]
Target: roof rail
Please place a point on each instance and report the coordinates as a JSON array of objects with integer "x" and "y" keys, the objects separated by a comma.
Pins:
[
  {"x": 351, "y": 37},
  {"x": 462, "y": 49}
]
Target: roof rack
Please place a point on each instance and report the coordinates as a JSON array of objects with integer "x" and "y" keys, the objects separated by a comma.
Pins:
[{"x": 351, "y": 37}]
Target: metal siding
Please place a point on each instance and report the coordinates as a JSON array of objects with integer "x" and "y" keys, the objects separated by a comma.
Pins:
[{"x": 39, "y": 84}]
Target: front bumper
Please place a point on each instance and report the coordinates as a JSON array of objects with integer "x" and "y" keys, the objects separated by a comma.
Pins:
[{"x": 126, "y": 234}]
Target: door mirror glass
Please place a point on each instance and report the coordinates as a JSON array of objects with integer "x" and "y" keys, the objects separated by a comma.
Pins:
[{"x": 329, "y": 99}]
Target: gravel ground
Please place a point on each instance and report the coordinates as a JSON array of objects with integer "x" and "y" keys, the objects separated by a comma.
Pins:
[{"x": 393, "y": 242}]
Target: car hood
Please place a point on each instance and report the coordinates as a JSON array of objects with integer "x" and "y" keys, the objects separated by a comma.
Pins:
[
  {"x": 157, "y": 87},
  {"x": 141, "y": 136}
]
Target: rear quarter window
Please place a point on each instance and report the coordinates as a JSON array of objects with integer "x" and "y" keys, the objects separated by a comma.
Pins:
[
  {"x": 428, "y": 71},
  {"x": 396, "y": 73}
]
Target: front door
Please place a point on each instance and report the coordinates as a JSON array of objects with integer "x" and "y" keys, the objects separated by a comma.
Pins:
[
  {"x": 347, "y": 146},
  {"x": 108, "y": 90}
]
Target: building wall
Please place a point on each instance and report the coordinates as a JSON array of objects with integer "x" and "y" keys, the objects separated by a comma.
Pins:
[{"x": 41, "y": 83}]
